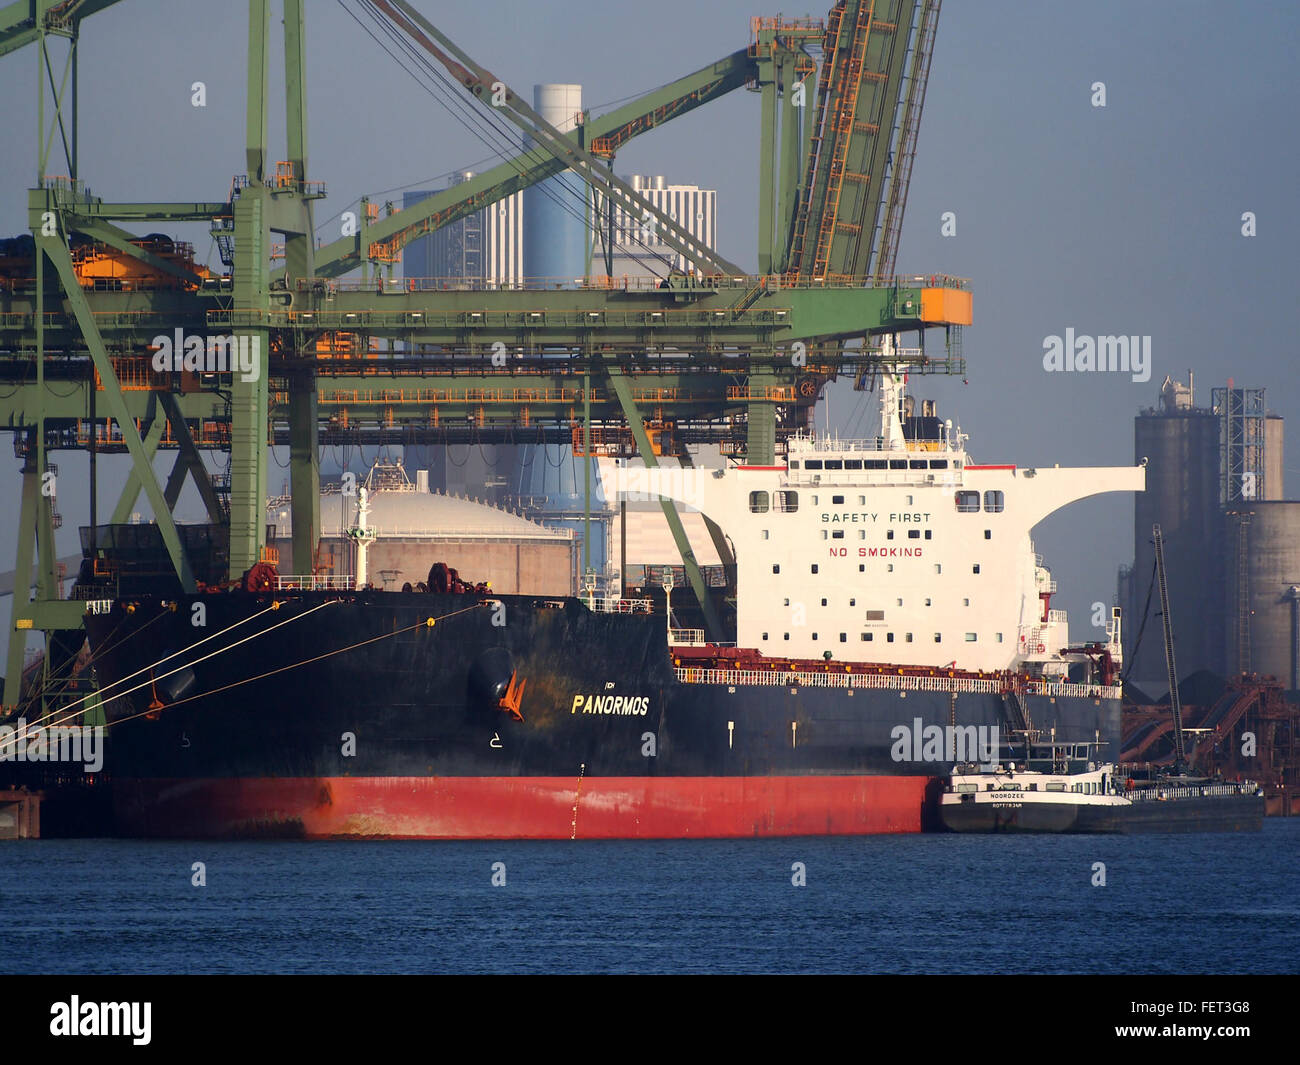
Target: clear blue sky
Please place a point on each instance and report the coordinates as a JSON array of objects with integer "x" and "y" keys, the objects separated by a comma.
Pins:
[{"x": 1122, "y": 220}]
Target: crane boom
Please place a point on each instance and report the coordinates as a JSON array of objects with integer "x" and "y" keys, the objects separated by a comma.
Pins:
[
  {"x": 850, "y": 172},
  {"x": 1175, "y": 706}
]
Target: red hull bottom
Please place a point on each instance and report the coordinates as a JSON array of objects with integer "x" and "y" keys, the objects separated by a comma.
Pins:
[{"x": 519, "y": 807}]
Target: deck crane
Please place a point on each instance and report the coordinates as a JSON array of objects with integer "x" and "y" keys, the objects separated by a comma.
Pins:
[{"x": 1175, "y": 706}]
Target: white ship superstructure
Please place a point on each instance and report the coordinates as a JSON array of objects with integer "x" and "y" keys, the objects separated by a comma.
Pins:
[{"x": 894, "y": 550}]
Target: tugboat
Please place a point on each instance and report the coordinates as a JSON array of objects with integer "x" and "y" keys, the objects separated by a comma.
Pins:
[{"x": 1062, "y": 787}]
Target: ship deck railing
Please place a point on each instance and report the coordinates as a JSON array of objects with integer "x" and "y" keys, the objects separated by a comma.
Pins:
[
  {"x": 883, "y": 681},
  {"x": 1064, "y": 688},
  {"x": 869, "y": 478},
  {"x": 1159, "y": 794},
  {"x": 799, "y": 678},
  {"x": 615, "y": 605},
  {"x": 316, "y": 582},
  {"x": 686, "y": 637}
]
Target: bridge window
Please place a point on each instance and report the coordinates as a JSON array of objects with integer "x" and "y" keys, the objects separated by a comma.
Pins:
[
  {"x": 853, "y": 464},
  {"x": 898, "y": 464},
  {"x": 813, "y": 464},
  {"x": 968, "y": 502},
  {"x": 875, "y": 464},
  {"x": 994, "y": 502},
  {"x": 794, "y": 465},
  {"x": 916, "y": 464},
  {"x": 835, "y": 464},
  {"x": 938, "y": 464},
  {"x": 758, "y": 502},
  {"x": 787, "y": 502}
]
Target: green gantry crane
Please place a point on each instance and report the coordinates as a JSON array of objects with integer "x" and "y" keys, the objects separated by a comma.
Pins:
[{"x": 722, "y": 355}]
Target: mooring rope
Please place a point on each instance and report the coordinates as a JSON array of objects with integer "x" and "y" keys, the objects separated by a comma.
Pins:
[
  {"x": 154, "y": 680},
  {"x": 131, "y": 636},
  {"x": 427, "y": 623}
]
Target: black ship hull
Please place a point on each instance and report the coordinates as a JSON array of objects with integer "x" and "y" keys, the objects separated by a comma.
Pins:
[{"x": 419, "y": 715}]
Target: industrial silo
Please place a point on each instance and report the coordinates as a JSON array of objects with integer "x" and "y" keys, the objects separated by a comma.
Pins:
[
  {"x": 1274, "y": 484},
  {"x": 1264, "y": 544},
  {"x": 1180, "y": 443},
  {"x": 547, "y": 480},
  {"x": 555, "y": 210}
]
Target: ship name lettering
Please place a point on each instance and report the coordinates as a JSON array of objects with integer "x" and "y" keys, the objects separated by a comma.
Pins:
[{"x": 624, "y": 705}]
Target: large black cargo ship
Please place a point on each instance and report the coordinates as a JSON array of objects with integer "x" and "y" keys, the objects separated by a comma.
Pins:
[
  {"x": 374, "y": 713},
  {"x": 890, "y": 610}
]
